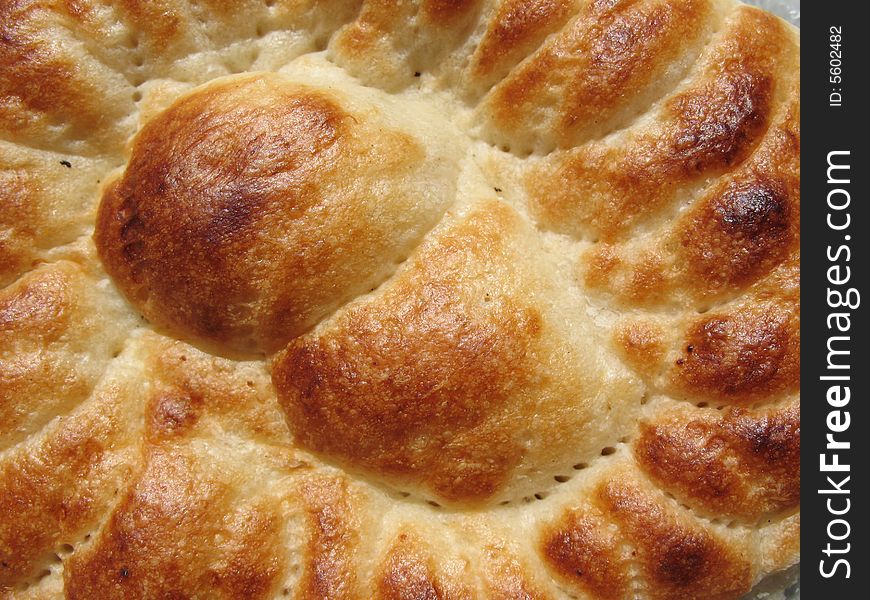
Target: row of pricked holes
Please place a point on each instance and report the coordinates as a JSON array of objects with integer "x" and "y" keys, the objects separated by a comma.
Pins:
[{"x": 559, "y": 479}]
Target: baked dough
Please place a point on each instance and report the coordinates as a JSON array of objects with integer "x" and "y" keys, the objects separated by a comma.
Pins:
[{"x": 435, "y": 299}]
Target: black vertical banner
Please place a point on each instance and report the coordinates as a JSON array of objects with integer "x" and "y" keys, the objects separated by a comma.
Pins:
[{"x": 835, "y": 52}]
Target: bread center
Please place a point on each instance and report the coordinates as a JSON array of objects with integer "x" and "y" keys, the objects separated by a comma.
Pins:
[{"x": 253, "y": 207}]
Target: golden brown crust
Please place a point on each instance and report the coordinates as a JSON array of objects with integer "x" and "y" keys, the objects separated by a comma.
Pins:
[
  {"x": 753, "y": 220},
  {"x": 57, "y": 487},
  {"x": 737, "y": 462},
  {"x": 584, "y": 551},
  {"x": 408, "y": 572},
  {"x": 677, "y": 560},
  {"x": 57, "y": 334},
  {"x": 45, "y": 202},
  {"x": 737, "y": 232},
  {"x": 588, "y": 69},
  {"x": 354, "y": 396},
  {"x": 740, "y": 355},
  {"x": 184, "y": 522},
  {"x": 516, "y": 29},
  {"x": 245, "y": 214},
  {"x": 431, "y": 384},
  {"x": 332, "y": 541},
  {"x": 641, "y": 344},
  {"x": 162, "y": 518},
  {"x": 600, "y": 189},
  {"x": 625, "y": 538},
  {"x": 54, "y": 93},
  {"x": 489, "y": 299}
]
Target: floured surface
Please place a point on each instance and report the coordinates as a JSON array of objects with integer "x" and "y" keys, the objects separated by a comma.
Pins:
[{"x": 438, "y": 299}]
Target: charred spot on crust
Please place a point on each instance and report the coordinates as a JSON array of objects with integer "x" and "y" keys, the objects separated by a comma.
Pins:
[
  {"x": 739, "y": 234},
  {"x": 755, "y": 210},
  {"x": 709, "y": 127},
  {"x": 200, "y": 265}
]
